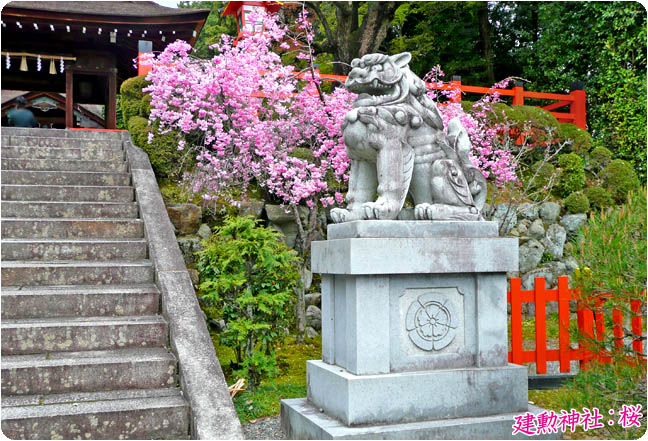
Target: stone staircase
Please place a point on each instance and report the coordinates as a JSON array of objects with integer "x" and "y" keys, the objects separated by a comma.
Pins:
[{"x": 85, "y": 350}]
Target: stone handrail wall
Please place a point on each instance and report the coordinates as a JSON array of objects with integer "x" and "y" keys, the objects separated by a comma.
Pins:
[{"x": 201, "y": 378}]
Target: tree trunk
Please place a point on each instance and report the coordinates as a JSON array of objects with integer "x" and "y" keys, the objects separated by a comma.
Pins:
[
  {"x": 349, "y": 40},
  {"x": 485, "y": 36},
  {"x": 375, "y": 25}
]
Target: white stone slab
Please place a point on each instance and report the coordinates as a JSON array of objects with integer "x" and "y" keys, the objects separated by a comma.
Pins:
[
  {"x": 301, "y": 420},
  {"x": 415, "y": 256},
  {"x": 416, "y": 229},
  {"x": 416, "y": 396}
]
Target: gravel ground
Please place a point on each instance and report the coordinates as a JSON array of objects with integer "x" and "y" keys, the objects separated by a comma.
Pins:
[{"x": 264, "y": 428}]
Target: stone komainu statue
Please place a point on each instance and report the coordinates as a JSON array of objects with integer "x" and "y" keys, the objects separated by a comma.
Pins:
[{"x": 397, "y": 147}]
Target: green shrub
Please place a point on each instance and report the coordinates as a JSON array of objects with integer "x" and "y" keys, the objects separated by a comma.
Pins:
[
  {"x": 581, "y": 140},
  {"x": 542, "y": 122},
  {"x": 572, "y": 174},
  {"x": 612, "y": 263},
  {"x": 577, "y": 202},
  {"x": 599, "y": 197},
  {"x": 620, "y": 178},
  {"x": 163, "y": 151},
  {"x": 599, "y": 158},
  {"x": 131, "y": 98},
  {"x": 250, "y": 275}
]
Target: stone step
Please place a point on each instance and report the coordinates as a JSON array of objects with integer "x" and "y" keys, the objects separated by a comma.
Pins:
[
  {"x": 80, "y": 193},
  {"x": 59, "y": 372},
  {"x": 22, "y": 177},
  {"x": 59, "y": 142},
  {"x": 79, "y": 301},
  {"x": 88, "y": 154},
  {"x": 53, "y": 228},
  {"x": 120, "y": 414},
  {"x": 61, "y": 133},
  {"x": 63, "y": 165},
  {"x": 68, "y": 210},
  {"x": 70, "y": 272},
  {"x": 80, "y": 249},
  {"x": 74, "y": 334}
]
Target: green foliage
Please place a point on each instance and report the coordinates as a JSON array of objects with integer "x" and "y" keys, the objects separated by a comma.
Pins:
[
  {"x": 581, "y": 140},
  {"x": 577, "y": 202},
  {"x": 131, "y": 98},
  {"x": 572, "y": 174},
  {"x": 602, "y": 44},
  {"x": 599, "y": 197},
  {"x": 619, "y": 178},
  {"x": 250, "y": 275},
  {"x": 119, "y": 114},
  {"x": 443, "y": 33},
  {"x": 613, "y": 257},
  {"x": 163, "y": 152},
  {"x": 546, "y": 257},
  {"x": 600, "y": 157}
]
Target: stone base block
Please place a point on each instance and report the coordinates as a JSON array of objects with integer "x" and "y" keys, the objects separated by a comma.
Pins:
[
  {"x": 301, "y": 420},
  {"x": 416, "y": 396}
]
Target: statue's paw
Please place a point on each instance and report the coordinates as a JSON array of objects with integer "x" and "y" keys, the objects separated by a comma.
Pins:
[
  {"x": 339, "y": 215},
  {"x": 382, "y": 209},
  {"x": 424, "y": 211}
]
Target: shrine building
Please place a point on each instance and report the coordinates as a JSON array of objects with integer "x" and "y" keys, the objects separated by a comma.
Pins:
[{"x": 64, "y": 54}]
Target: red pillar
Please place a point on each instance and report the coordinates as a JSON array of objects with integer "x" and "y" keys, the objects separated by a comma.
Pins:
[
  {"x": 579, "y": 104},
  {"x": 518, "y": 94},
  {"x": 145, "y": 53},
  {"x": 456, "y": 87}
]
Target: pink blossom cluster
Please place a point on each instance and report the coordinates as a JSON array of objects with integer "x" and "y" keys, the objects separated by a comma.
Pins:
[
  {"x": 252, "y": 112},
  {"x": 488, "y": 153}
]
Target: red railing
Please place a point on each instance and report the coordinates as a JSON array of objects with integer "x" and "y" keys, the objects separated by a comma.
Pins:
[
  {"x": 575, "y": 100},
  {"x": 591, "y": 325}
]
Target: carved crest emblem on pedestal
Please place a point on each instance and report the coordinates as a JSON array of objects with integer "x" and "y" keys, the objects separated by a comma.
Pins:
[{"x": 430, "y": 321}]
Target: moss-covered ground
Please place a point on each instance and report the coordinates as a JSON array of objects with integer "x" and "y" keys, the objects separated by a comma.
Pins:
[{"x": 289, "y": 383}]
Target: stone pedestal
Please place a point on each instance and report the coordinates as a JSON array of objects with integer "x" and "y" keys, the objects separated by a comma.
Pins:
[{"x": 414, "y": 334}]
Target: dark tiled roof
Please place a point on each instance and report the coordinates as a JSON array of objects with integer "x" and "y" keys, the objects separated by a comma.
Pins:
[{"x": 118, "y": 8}]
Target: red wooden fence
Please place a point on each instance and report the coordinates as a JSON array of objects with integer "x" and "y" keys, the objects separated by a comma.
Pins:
[
  {"x": 575, "y": 100},
  {"x": 591, "y": 325}
]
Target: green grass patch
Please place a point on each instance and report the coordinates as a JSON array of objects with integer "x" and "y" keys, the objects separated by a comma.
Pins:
[{"x": 289, "y": 383}]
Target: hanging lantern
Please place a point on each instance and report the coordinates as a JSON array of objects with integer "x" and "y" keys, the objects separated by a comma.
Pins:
[
  {"x": 23, "y": 64},
  {"x": 52, "y": 70}
]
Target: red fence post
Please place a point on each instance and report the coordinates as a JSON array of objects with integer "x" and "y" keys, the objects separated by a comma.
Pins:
[
  {"x": 637, "y": 343},
  {"x": 563, "y": 323},
  {"x": 518, "y": 94},
  {"x": 541, "y": 325},
  {"x": 455, "y": 84},
  {"x": 516, "y": 320},
  {"x": 578, "y": 106},
  {"x": 617, "y": 329}
]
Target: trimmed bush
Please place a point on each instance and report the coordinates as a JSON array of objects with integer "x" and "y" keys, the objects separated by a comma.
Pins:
[
  {"x": 600, "y": 157},
  {"x": 162, "y": 152},
  {"x": 581, "y": 140},
  {"x": 619, "y": 177},
  {"x": 572, "y": 174},
  {"x": 599, "y": 197},
  {"x": 577, "y": 202},
  {"x": 132, "y": 98}
]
